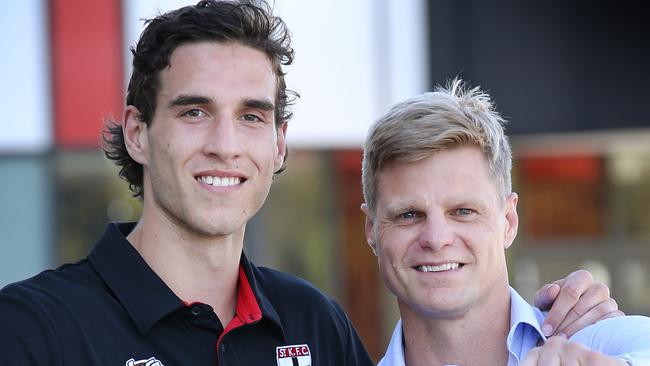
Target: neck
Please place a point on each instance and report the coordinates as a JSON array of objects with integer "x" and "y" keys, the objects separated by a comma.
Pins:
[
  {"x": 196, "y": 268},
  {"x": 472, "y": 338}
]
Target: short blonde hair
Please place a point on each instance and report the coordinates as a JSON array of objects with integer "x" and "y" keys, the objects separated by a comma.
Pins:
[{"x": 450, "y": 116}]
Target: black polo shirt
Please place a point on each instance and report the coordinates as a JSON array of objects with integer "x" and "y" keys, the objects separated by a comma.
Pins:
[{"x": 112, "y": 309}]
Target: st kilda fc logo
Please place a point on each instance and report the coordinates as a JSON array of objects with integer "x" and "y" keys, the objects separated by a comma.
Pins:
[
  {"x": 152, "y": 361},
  {"x": 294, "y": 355}
]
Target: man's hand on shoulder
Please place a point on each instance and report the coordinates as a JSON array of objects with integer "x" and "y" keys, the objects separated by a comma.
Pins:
[
  {"x": 574, "y": 303},
  {"x": 559, "y": 351}
]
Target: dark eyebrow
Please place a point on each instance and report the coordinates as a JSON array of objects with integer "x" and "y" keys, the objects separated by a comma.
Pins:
[
  {"x": 185, "y": 99},
  {"x": 264, "y": 105}
]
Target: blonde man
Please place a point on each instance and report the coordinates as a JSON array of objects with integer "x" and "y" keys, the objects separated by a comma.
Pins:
[{"x": 440, "y": 213}]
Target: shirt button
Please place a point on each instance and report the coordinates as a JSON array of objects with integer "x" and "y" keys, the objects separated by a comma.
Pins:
[{"x": 196, "y": 310}]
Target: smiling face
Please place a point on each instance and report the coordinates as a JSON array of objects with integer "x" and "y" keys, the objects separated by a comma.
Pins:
[
  {"x": 440, "y": 232},
  {"x": 210, "y": 152}
]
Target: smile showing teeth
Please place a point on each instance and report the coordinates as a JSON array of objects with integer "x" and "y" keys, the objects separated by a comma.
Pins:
[
  {"x": 219, "y": 181},
  {"x": 439, "y": 268}
]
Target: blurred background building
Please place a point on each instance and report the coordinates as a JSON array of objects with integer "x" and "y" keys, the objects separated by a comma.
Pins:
[{"x": 571, "y": 77}]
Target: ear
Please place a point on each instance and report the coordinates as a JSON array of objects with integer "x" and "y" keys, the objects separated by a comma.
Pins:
[
  {"x": 512, "y": 219},
  {"x": 281, "y": 145},
  {"x": 135, "y": 135},
  {"x": 370, "y": 225}
]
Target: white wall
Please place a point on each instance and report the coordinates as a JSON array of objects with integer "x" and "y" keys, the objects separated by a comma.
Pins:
[{"x": 24, "y": 81}]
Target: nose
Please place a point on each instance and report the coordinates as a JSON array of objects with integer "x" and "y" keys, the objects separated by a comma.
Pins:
[
  {"x": 436, "y": 233},
  {"x": 222, "y": 139}
]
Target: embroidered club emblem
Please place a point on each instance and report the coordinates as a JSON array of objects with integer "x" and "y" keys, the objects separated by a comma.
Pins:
[
  {"x": 294, "y": 355},
  {"x": 152, "y": 361}
]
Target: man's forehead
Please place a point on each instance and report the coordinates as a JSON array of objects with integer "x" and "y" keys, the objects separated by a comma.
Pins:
[
  {"x": 463, "y": 177},
  {"x": 462, "y": 160},
  {"x": 203, "y": 68},
  {"x": 225, "y": 48},
  {"x": 411, "y": 199}
]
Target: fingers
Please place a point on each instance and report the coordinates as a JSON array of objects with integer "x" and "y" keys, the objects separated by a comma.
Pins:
[
  {"x": 582, "y": 316},
  {"x": 545, "y": 296},
  {"x": 614, "y": 314},
  {"x": 548, "y": 355},
  {"x": 575, "y": 284},
  {"x": 532, "y": 357},
  {"x": 595, "y": 297},
  {"x": 558, "y": 351}
]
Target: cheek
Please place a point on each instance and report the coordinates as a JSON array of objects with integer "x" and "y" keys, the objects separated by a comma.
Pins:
[
  {"x": 264, "y": 151},
  {"x": 389, "y": 273},
  {"x": 165, "y": 144},
  {"x": 383, "y": 256},
  {"x": 393, "y": 247},
  {"x": 492, "y": 251},
  {"x": 398, "y": 239},
  {"x": 385, "y": 266}
]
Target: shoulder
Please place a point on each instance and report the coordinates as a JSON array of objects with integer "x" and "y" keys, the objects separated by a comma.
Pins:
[
  {"x": 617, "y": 326},
  {"x": 53, "y": 286},
  {"x": 282, "y": 281},
  {"x": 298, "y": 302},
  {"x": 49, "y": 298},
  {"x": 33, "y": 312},
  {"x": 281, "y": 288},
  {"x": 616, "y": 335}
]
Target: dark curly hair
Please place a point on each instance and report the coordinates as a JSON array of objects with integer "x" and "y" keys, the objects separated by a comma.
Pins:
[{"x": 221, "y": 21}]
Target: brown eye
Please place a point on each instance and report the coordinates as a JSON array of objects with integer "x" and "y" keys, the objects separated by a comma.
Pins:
[
  {"x": 251, "y": 118},
  {"x": 194, "y": 113}
]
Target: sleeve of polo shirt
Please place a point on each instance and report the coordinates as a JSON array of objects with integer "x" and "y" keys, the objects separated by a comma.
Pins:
[
  {"x": 355, "y": 352},
  {"x": 625, "y": 337},
  {"x": 25, "y": 335}
]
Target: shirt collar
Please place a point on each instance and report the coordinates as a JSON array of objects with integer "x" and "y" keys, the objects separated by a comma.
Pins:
[
  {"x": 525, "y": 332},
  {"x": 525, "y": 326},
  {"x": 265, "y": 305},
  {"x": 144, "y": 295},
  {"x": 395, "y": 353}
]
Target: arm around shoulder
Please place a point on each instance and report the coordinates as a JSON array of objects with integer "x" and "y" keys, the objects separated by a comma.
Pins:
[{"x": 626, "y": 337}]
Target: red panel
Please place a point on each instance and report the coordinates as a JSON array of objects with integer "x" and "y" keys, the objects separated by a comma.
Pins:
[
  {"x": 564, "y": 168},
  {"x": 87, "y": 69},
  {"x": 563, "y": 197},
  {"x": 349, "y": 161}
]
